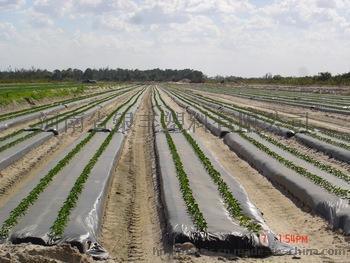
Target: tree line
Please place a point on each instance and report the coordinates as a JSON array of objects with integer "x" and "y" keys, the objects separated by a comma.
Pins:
[
  {"x": 187, "y": 75},
  {"x": 103, "y": 74},
  {"x": 322, "y": 78}
]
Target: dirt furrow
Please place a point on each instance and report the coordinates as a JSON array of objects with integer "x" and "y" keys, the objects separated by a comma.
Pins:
[{"x": 131, "y": 228}]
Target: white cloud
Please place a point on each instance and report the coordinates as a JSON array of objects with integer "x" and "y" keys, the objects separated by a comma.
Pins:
[
  {"x": 157, "y": 15},
  {"x": 40, "y": 20},
  {"x": 217, "y": 6},
  {"x": 217, "y": 36},
  {"x": 7, "y": 31},
  {"x": 114, "y": 23},
  {"x": 11, "y": 4},
  {"x": 53, "y": 7}
]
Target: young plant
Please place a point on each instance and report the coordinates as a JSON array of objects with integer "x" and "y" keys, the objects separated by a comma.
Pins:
[
  {"x": 34, "y": 194},
  {"x": 232, "y": 204},
  {"x": 191, "y": 204},
  {"x": 61, "y": 221},
  {"x": 338, "y": 191}
]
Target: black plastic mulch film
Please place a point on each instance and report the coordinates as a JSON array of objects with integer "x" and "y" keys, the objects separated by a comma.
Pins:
[
  {"x": 329, "y": 149},
  {"x": 84, "y": 225},
  {"x": 17, "y": 151},
  {"x": 332, "y": 208},
  {"x": 223, "y": 233}
]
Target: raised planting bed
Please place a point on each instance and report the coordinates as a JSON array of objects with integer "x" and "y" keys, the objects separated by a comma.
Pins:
[
  {"x": 334, "y": 137},
  {"x": 334, "y": 209},
  {"x": 83, "y": 225},
  {"x": 312, "y": 106},
  {"x": 231, "y": 221},
  {"x": 42, "y": 215},
  {"x": 323, "y": 145},
  {"x": 325, "y": 192},
  {"x": 253, "y": 119},
  {"x": 334, "y": 176},
  {"x": 15, "y": 150},
  {"x": 31, "y": 114}
]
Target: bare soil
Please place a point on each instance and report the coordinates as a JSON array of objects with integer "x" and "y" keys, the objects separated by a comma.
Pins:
[
  {"x": 312, "y": 89},
  {"x": 131, "y": 228},
  {"x": 294, "y": 143},
  {"x": 132, "y": 223},
  {"x": 27, "y": 253}
]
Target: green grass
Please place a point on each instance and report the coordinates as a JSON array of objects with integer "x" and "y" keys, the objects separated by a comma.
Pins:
[
  {"x": 19, "y": 93},
  {"x": 13, "y": 114}
]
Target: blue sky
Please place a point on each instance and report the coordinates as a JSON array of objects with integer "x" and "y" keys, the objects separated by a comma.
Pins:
[{"x": 226, "y": 37}]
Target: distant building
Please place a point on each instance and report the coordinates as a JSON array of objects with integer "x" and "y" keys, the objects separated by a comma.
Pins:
[{"x": 91, "y": 81}]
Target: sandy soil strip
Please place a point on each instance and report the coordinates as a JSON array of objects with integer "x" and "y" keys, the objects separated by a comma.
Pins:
[
  {"x": 26, "y": 253},
  {"x": 281, "y": 214},
  {"x": 14, "y": 177},
  {"x": 322, "y": 119},
  {"x": 131, "y": 229}
]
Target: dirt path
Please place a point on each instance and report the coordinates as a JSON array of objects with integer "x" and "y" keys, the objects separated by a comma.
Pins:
[
  {"x": 281, "y": 214},
  {"x": 322, "y": 119},
  {"x": 14, "y": 177},
  {"x": 27, "y": 253},
  {"x": 131, "y": 229}
]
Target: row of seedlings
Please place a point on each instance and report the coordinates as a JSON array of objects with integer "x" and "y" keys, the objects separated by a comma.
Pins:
[
  {"x": 245, "y": 230},
  {"x": 330, "y": 136},
  {"x": 21, "y": 207},
  {"x": 335, "y": 146},
  {"x": 22, "y": 134},
  {"x": 14, "y": 114},
  {"x": 14, "y": 150},
  {"x": 324, "y": 204}
]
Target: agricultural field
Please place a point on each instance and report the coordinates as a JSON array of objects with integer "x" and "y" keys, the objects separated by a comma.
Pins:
[
  {"x": 19, "y": 95},
  {"x": 164, "y": 172}
]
